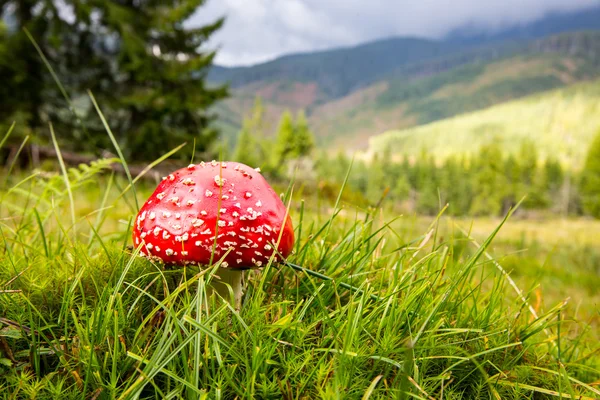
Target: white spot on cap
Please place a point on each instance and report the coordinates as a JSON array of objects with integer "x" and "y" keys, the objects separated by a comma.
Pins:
[
  {"x": 235, "y": 214},
  {"x": 208, "y": 193},
  {"x": 191, "y": 166},
  {"x": 177, "y": 215},
  {"x": 156, "y": 248},
  {"x": 248, "y": 195},
  {"x": 166, "y": 235},
  {"x": 161, "y": 195},
  {"x": 176, "y": 226},
  {"x": 174, "y": 199},
  {"x": 223, "y": 210},
  {"x": 268, "y": 247},
  {"x": 257, "y": 169},
  {"x": 166, "y": 214},
  {"x": 203, "y": 212},
  {"x": 169, "y": 252},
  {"x": 224, "y": 264},
  {"x": 231, "y": 233},
  {"x": 149, "y": 246},
  {"x": 143, "y": 235},
  {"x": 239, "y": 260},
  {"x": 198, "y": 243},
  {"x": 190, "y": 202},
  {"x": 258, "y": 263},
  {"x": 188, "y": 182},
  {"x": 184, "y": 253},
  {"x": 259, "y": 204},
  {"x": 225, "y": 197},
  {"x": 152, "y": 216},
  {"x": 219, "y": 181},
  {"x": 171, "y": 177},
  {"x": 197, "y": 223},
  {"x": 221, "y": 223},
  {"x": 205, "y": 232},
  {"x": 157, "y": 231}
]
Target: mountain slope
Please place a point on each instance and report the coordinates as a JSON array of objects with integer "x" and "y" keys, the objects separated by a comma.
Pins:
[
  {"x": 551, "y": 24},
  {"x": 561, "y": 122},
  {"x": 340, "y": 71},
  {"x": 426, "y": 91}
]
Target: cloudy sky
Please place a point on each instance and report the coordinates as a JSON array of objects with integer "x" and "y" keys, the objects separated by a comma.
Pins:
[{"x": 260, "y": 30}]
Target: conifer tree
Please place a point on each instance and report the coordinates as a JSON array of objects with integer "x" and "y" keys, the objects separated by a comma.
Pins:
[
  {"x": 590, "y": 179},
  {"x": 250, "y": 147},
  {"x": 284, "y": 145},
  {"x": 303, "y": 137},
  {"x": 142, "y": 65},
  {"x": 489, "y": 181}
]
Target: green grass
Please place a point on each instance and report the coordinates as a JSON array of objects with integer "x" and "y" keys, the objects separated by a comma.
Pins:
[
  {"x": 83, "y": 316},
  {"x": 562, "y": 123}
]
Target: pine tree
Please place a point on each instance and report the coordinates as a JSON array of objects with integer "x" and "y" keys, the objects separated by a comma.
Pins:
[
  {"x": 590, "y": 179},
  {"x": 376, "y": 184},
  {"x": 250, "y": 147},
  {"x": 26, "y": 85},
  {"x": 489, "y": 181},
  {"x": 284, "y": 144},
  {"x": 303, "y": 141},
  {"x": 142, "y": 65}
]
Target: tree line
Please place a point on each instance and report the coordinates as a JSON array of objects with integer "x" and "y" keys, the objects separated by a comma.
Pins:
[{"x": 487, "y": 183}]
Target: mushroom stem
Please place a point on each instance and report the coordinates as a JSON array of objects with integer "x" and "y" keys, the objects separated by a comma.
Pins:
[{"x": 229, "y": 277}]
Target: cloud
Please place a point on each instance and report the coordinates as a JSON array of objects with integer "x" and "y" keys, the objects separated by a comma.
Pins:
[{"x": 260, "y": 30}]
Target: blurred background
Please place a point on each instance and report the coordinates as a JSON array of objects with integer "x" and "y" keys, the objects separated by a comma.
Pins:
[{"x": 472, "y": 104}]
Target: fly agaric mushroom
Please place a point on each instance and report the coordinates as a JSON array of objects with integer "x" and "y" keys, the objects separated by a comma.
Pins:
[{"x": 213, "y": 211}]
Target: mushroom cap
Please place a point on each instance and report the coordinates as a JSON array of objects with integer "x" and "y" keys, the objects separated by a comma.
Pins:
[{"x": 216, "y": 206}]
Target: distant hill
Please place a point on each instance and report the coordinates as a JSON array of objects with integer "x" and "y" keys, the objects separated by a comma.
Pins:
[
  {"x": 550, "y": 24},
  {"x": 350, "y": 94},
  {"x": 561, "y": 122}
]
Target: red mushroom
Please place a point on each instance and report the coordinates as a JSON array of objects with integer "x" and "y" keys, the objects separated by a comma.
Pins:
[{"x": 215, "y": 211}]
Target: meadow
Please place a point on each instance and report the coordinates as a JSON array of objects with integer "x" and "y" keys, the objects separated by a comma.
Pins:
[{"x": 405, "y": 306}]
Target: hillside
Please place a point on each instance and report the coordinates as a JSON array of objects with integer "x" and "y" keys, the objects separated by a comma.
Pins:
[
  {"x": 426, "y": 91},
  {"x": 340, "y": 71},
  {"x": 562, "y": 123}
]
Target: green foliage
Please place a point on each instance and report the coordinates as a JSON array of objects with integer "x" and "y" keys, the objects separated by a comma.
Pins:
[
  {"x": 140, "y": 62},
  {"x": 294, "y": 140},
  {"x": 251, "y": 148},
  {"x": 303, "y": 140},
  {"x": 284, "y": 145},
  {"x": 488, "y": 183},
  {"x": 590, "y": 182}
]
